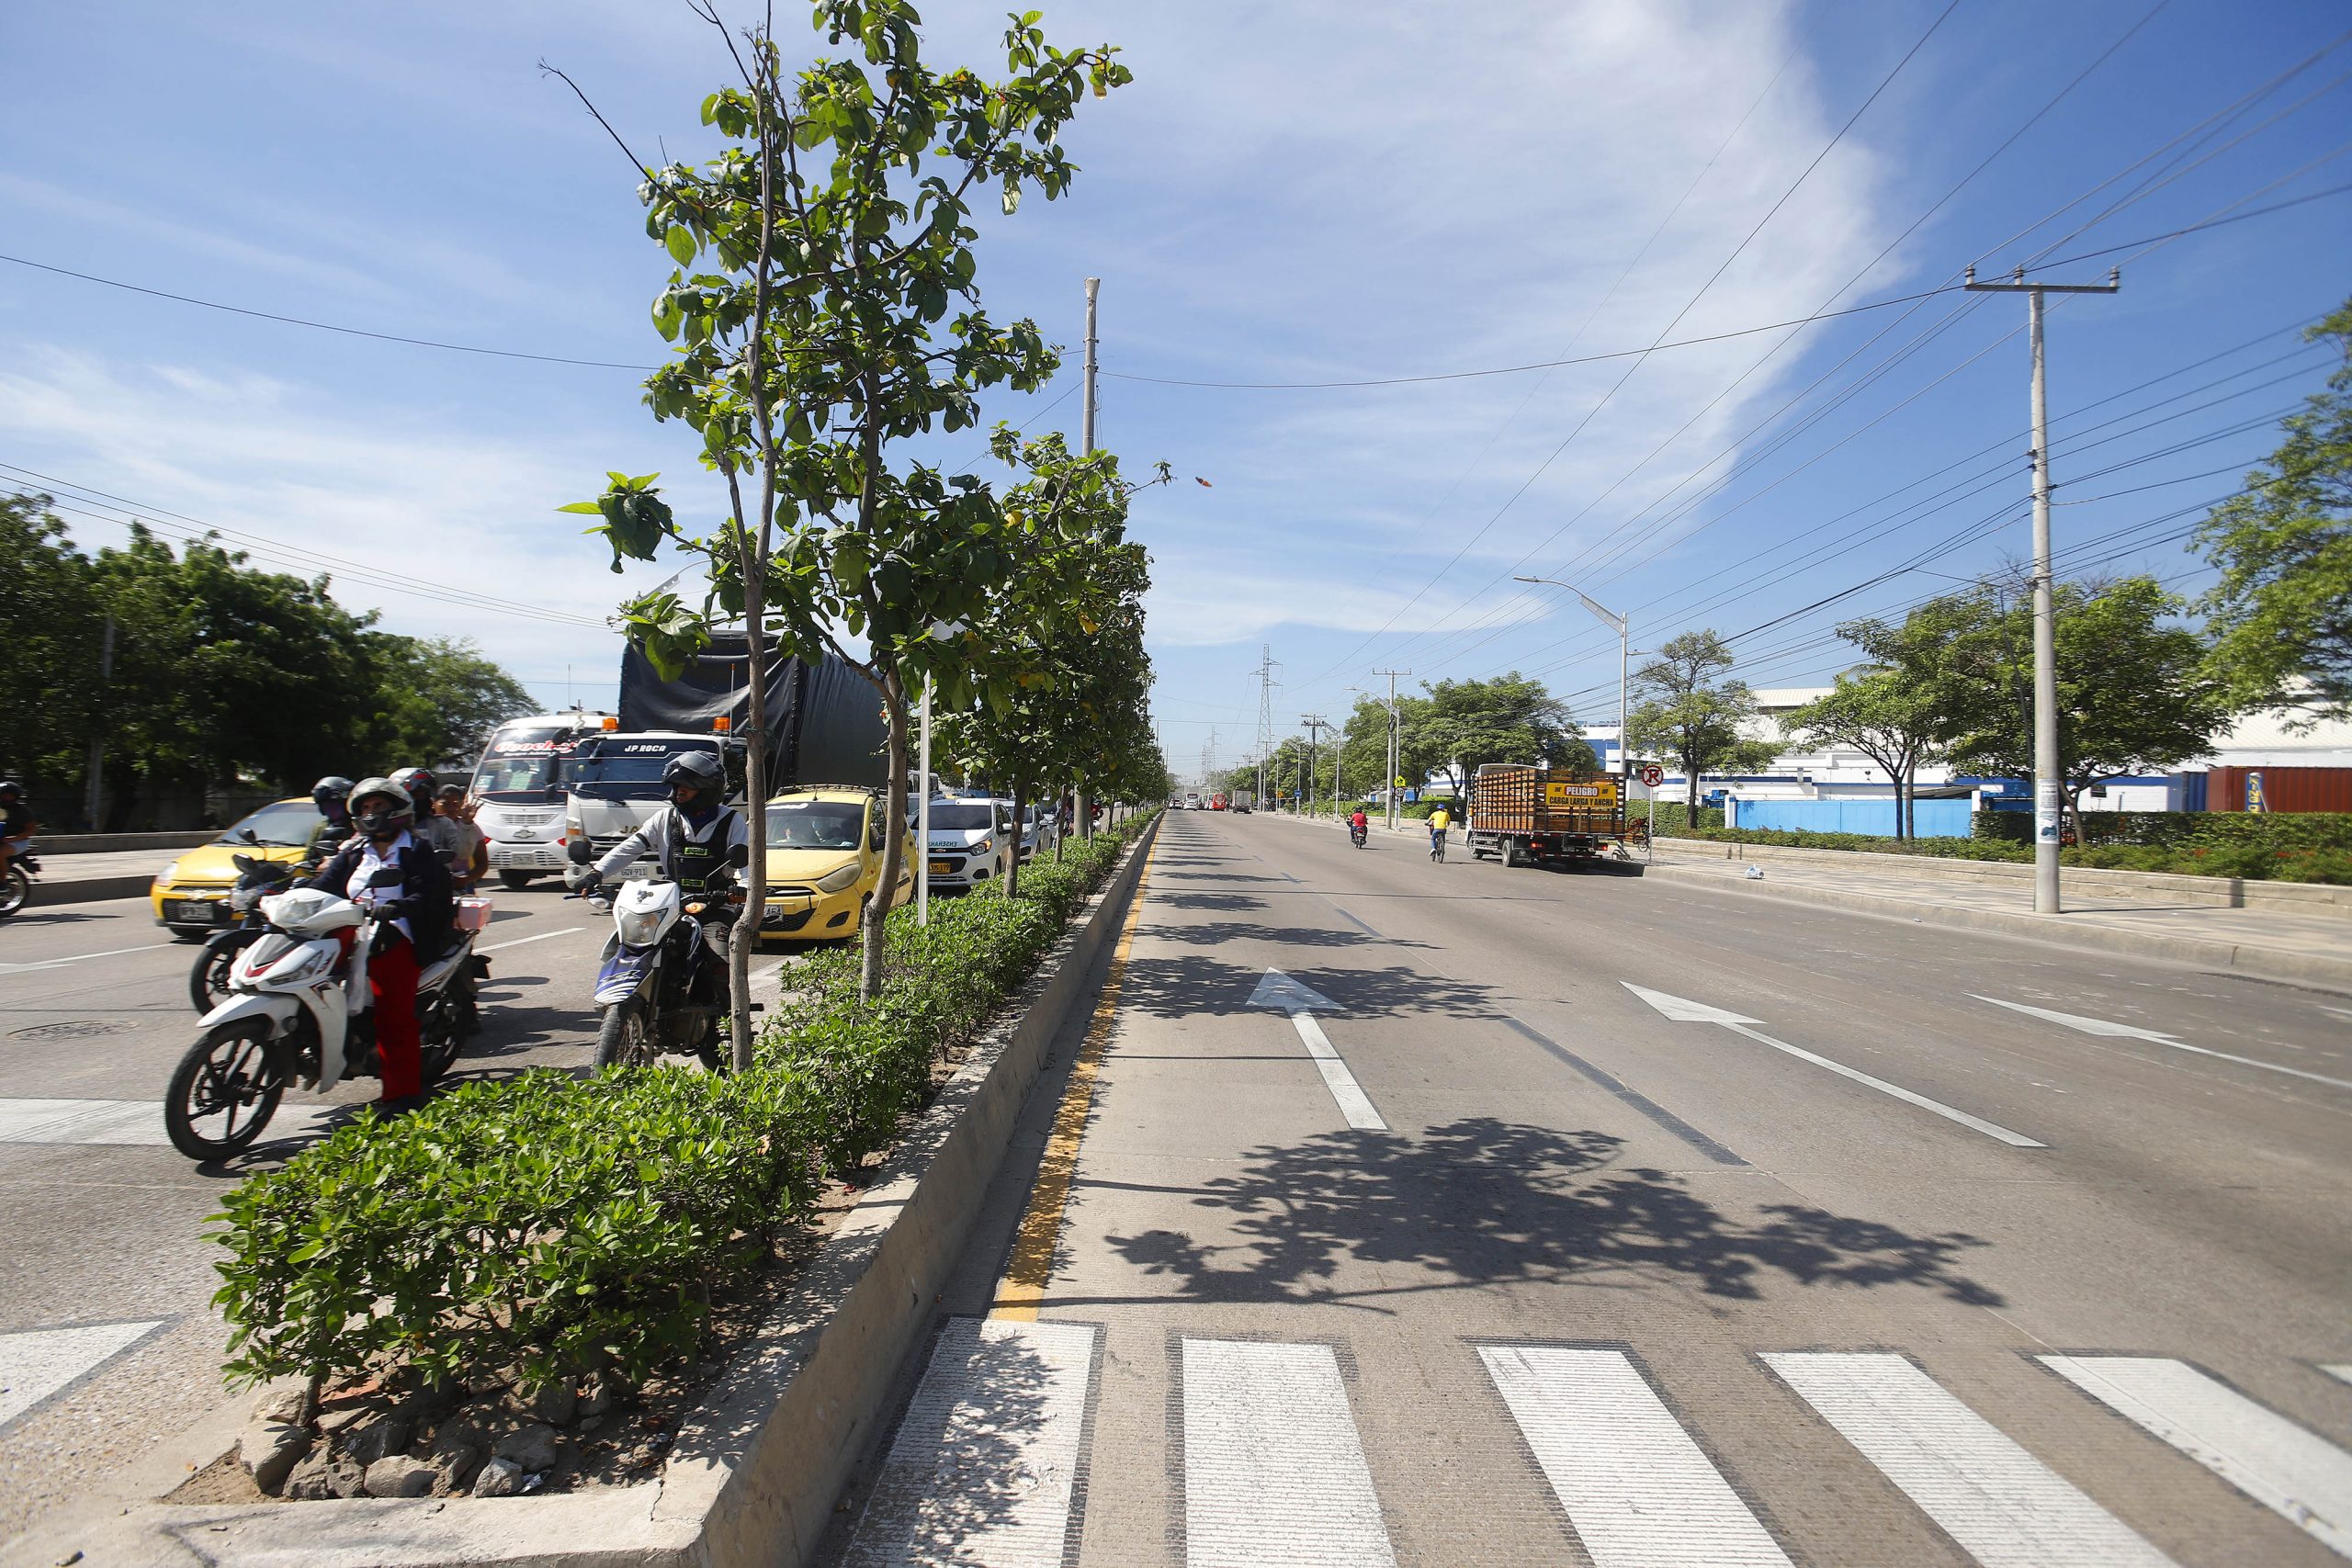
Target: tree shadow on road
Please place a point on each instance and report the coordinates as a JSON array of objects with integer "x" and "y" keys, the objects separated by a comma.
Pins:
[
  {"x": 1230, "y": 903},
  {"x": 1482, "y": 1200},
  {"x": 1192, "y": 985},
  {"x": 1211, "y": 933}
]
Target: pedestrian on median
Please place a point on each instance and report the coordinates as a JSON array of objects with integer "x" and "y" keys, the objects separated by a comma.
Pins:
[
  {"x": 1439, "y": 820},
  {"x": 473, "y": 854}
]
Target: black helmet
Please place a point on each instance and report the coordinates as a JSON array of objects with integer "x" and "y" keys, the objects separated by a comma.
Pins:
[
  {"x": 418, "y": 784},
  {"x": 331, "y": 790},
  {"x": 693, "y": 770},
  {"x": 391, "y": 812},
  {"x": 11, "y": 790}
]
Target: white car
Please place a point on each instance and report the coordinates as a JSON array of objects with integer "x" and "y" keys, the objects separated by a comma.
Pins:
[
  {"x": 1040, "y": 827},
  {"x": 972, "y": 843}
]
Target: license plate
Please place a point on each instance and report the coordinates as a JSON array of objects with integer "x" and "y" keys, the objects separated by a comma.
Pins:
[
  {"x": 193, "y": 911},
  {"x": 942, "y": 867},
  {"x": 773, "y": 912}
]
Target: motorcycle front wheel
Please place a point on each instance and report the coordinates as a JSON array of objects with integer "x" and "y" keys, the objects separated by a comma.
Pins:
[
  {"x": 16, "y": 890},
  {"x": 625, "y": 1038},
  {"x": 223, "y": 1092},
  {"x": 208, "y": 982}
]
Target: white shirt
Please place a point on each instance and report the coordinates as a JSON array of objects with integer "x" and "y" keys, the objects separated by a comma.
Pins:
[{"x": 372, "y": 859}]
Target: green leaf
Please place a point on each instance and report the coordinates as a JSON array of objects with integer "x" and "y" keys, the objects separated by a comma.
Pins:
[
  {"x": 680, "y": 243},
  {"x": 589, "y": 507}
]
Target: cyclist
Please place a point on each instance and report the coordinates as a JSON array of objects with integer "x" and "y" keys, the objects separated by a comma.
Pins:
[
  {"x": 414, "y": 916},
  {"x": 1439, "y": 820},
  {"x": 15, "y": 823}
]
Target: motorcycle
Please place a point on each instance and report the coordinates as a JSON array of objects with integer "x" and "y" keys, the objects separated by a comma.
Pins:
[
  {"x": 1357, "y": 833},
  {"x": 208, "y": 982},
  {"x": 16, "y": 888},
  {"x": 662, "y": 984},
  {"x": 300, "y": 1011}
]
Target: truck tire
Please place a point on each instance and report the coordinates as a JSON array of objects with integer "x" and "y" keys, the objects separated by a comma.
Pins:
[{"x": 1510, "y": 853}]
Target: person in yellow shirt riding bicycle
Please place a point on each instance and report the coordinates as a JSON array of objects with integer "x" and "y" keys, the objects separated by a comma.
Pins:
[{"x": 1439, "y": 820}]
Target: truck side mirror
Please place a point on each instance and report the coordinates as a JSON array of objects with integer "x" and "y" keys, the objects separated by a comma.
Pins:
[{"x": 579, "y": 852}]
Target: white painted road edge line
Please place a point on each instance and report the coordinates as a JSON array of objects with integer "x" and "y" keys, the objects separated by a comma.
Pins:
[
  {"x": 79, "y": 957},
  {"x": 1273, "y": 1470},
  {"x": 2304, "y": 1479},
  {"x": 523, "y": 940},
  {"x": 1354, "y": 1104},
  {"x": 2157, "y": 1037},
  {"x": 2004, "y": 1507},
  {"x": 985, "y": 1465},
  {"x": 1638, "y": 1490},
  {"x": 37, "y": 1363}
]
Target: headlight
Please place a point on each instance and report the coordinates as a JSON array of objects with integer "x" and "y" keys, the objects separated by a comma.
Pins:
[
  {"x": 837, "y": 880},
  {"x": 171, "y": 871},
  {"x": 303, "y": 966},
  {"x": 984, "y": 846},
  {"x": 639, "y": 927}
]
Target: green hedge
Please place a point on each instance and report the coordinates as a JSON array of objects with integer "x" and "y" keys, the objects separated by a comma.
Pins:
[
  {"x": 2289, "y": 862},
  {"x": 547, "y": 1228},
  {"x": 2209, "y": 829}
]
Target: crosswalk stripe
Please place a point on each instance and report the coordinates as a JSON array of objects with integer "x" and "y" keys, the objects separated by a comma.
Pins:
[
  {"x": 1638, "y": 1490},
  {"x": 2304, "y": 1479},
  {"x": 985, "y": 1465},
  {"x": 2007, "y": 1507},
  {"x": 37, "y": 1362},
  {"x": 1273, "y": 1470},
  {"x": 129, "y": 1123}
]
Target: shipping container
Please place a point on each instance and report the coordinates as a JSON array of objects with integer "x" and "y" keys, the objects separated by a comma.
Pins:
[{"x": 2278, "y": 789}]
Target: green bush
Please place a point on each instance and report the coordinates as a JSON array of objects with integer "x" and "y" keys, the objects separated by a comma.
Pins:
[
  {"x": 548, "y": 1227},
  {"x": 2237, "y": 852},
  {"x": 2269, "y": 830}
]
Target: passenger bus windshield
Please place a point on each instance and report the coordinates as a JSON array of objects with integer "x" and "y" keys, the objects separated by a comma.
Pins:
[
  {"x": 626, "y": 770},
  {"x": 815, "y": 824},
  {"x": 521, "y": 760}
]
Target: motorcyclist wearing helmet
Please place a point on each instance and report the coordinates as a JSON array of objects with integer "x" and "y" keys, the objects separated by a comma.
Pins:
[
  {"x": 330, "y": 795},
  {"x": 15, "y": 822},
  {"x": 692, "y": 841},
  {"x": 447, "y": 838},
  {"x": 415, "y": 915}
]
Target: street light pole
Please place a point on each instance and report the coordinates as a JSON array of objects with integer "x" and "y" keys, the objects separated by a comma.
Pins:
[
  {"x": 2049, "y": 782},
  {"x": 1393, "y": 739},
  {"x": 1617, "y": 623}
]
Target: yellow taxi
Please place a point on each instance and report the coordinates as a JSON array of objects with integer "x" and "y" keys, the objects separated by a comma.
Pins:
[
  {"x": 191, "y": 894},
  {"x": 825, "y": 844}
]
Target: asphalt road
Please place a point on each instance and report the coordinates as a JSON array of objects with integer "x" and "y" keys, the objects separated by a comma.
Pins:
[
  {"x": 108, "y": 1338},
  {"x": 1458, "y": 1249}
]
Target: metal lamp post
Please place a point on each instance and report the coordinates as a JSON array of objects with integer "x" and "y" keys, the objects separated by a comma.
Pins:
[{"x": 1616, "y": 623}]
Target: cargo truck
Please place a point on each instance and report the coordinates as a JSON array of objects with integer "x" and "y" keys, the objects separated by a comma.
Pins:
[{"x": 1533, "y": 816}]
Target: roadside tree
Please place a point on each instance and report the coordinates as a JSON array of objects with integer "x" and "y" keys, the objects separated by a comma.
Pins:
[
  {"x": 1461, "y": 725},
  {"x": 825, "y": 311},
  {"x": 1888, "y": 710},
  {"x": 2281, "y": 615},
  {"x": 1696, "y": 717}
]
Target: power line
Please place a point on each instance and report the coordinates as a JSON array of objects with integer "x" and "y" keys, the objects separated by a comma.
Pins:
[{"x": 2191, "y": 228}]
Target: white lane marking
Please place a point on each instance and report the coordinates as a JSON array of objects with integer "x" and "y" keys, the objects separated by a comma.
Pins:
[
  {"x": 1639, "y": 1491},
  {"x": 1354, "y": 1104},
  {"x": 80, "y": 958},
  {"x": 1279, "y": 991},
  {"x": 2341, "y": 1373},
  {"x": 520, "y": 940},
  {"x": 36, "y": 1364},
  {"x": 2155, "y": 1037},
  {"x": 985, "y": 1465},
  {"x": 1273, "y": 1470},
  {"x": 2004, "y": 1507},
  {"x": 2304, "y": 1479},
  {"x": 129, "y": 1123},
  {"x": 1689, "y": 1011}
]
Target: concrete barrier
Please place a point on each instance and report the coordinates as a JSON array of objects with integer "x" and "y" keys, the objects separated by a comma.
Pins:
[
  {"x": 100, "y": 843},
  {"x": 755, "y": 1470}
]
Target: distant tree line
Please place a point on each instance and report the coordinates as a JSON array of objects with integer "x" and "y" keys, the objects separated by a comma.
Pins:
[{"x": 222, "y": 678}]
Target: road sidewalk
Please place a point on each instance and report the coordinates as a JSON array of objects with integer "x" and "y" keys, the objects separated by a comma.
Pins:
[
  {"x": 72, "y": 878},
  {"x": 2311, "y": 943}
]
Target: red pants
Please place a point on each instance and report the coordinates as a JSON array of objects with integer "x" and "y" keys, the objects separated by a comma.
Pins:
[{"x": 400, "y": 1050}]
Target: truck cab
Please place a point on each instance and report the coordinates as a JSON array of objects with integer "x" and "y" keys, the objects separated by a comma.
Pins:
[{"x": 612, "y": 783}]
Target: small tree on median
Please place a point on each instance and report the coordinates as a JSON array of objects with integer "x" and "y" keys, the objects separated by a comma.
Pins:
[
  {"x": 830, "y": 242},
  {"x": 1888, "y": 710},
  {"x": 1694, "y": 715}
]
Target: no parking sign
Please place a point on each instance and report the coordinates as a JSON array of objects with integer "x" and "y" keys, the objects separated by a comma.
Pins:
[{"x": 1653, "y": 776}]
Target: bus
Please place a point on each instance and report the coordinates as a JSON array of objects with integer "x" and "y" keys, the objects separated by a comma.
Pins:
[
  {"x": 1216, "y": 801},
  {"x": 517, "y": 791}
]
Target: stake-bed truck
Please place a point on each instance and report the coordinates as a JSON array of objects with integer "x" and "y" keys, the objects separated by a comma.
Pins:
[{"x": 1531, "y": 816}]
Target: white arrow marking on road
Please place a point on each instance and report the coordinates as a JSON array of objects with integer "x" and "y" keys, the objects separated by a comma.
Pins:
[
  {"x": 1280, "y": 992},
  {"x": 37, "y": 1364},
  {"x": 2156, "y": 1037},
  {"x": 1685, "y": 1011}
]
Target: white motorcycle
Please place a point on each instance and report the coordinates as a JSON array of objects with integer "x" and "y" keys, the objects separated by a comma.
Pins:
[
  {"x": 660, "y": 983},
  {"x": 297, "y": 1010}
]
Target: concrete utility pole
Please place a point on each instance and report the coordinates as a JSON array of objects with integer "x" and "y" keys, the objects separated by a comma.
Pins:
[
  {"x": 1314, "y": 724},
  {"x": 1085, "y": 812},
  {"x": 2049, "y": 782},
  {"x": 1393, "y": 737}
]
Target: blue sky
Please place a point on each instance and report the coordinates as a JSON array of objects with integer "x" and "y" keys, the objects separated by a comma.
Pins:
[{"x": 1293, "y": 193}]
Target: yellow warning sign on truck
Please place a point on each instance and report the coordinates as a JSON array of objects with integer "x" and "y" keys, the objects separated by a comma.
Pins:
[{"x": 1600, "y": 792}]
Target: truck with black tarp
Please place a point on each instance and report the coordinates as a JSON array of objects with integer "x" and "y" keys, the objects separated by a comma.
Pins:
[
  {"x": 824, "y": 727},
  {"x": 1525, "y": 816}
]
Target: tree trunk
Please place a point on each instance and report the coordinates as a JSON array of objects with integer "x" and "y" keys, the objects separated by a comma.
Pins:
[
  {"x": 755, "y": 791},
  {"x": 1013, "y": 871},
  {"x": 877, "y": 910}
]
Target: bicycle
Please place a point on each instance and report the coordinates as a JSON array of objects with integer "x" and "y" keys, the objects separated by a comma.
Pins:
[{"x": 1436, "y": 845}]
